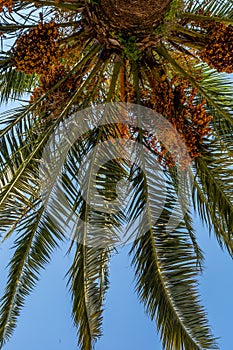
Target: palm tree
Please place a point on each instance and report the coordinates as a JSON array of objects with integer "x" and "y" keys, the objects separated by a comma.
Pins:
[{"x": 169, "y": 56}]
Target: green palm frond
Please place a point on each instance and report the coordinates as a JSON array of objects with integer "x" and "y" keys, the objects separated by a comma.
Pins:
[
  {"x": 166, "y": 275},
  {"x": 93, "y": 235},
  {"x": 165, "y": 262},
  {"x": 88, "y": 280},
  {"x": 37, "y": 238},
  {"x": 219, "y": 88},
  {"x": 15, "y": 85},
  {"x": 213, "y": 192}
]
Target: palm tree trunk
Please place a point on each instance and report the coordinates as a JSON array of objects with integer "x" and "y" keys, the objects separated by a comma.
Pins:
[
  {"x": 110, "y": 20},
  {"x": 134, "y": 14}
]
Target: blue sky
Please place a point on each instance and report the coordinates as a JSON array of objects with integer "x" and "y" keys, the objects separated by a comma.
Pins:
[{"x": 45, "y": 321}]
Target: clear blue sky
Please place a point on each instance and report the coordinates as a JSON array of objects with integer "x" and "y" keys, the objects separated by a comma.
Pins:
[{"x": 45, "y": 321}]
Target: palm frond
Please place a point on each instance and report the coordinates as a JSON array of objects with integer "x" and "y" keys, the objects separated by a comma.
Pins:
[
  {"x": 222, "y": 9},
  {"x": 15, "y": 85},
  {"x": 37, "y": 238},
  {"x": 88, "y": 279},
  {"x": 166, "y": 275},
  {"x": 165, "y": 261},
  {"x": 212, "y": 194},
  {"x": 219, "y": 87}
]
